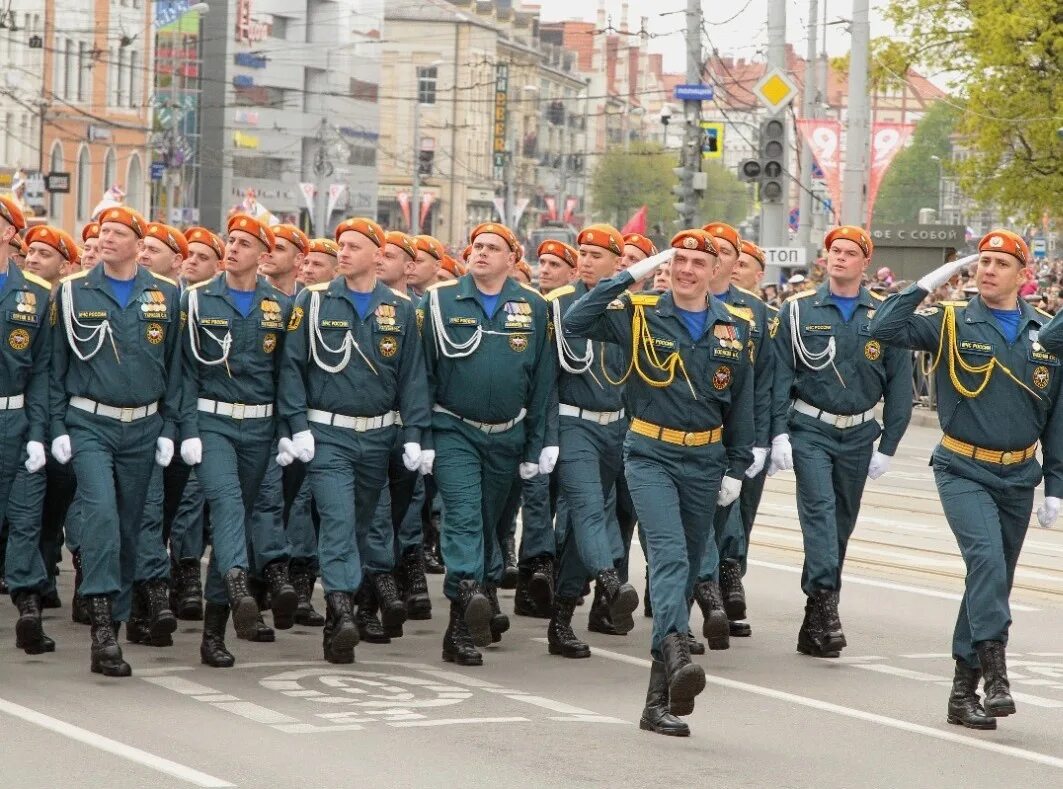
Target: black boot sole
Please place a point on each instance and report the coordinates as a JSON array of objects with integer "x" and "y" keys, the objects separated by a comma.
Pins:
[
  {"x": 645, "y": 725},
  {"x": 189, "y": 610},
  {"x": 393, "y": 616},
  {"x": 419, "y": 607},
  {"x": 739, "y": 629},
  {"x": 814, "y": 651},
  {"x": 989, "y": 725},
  {"x": 828, "y": 643},
  {"x": 509, "y": 578},
  {"x": 478, "y": 618},
  {"x": 123, "y": 669},
  {"x": 344, "y": 639},
  {"x": 1001, "y": 710},
  {"x": 162, "y": 627},
  {"x": 735, "y": 608},
  {"x": 309, "y": 619},
  {"x": 225, "y": 662},
  {"x": 373, "y": 638},
  {"x": 622, "y": 607},
  {"x": 283, "y": 604},
  {"x": 717, "y": 630},
  {"x": 339, "y": 658},
  {"x": 683, "y": 687},
  {"x": 457, "y": 659},
  {"x": 573, "y": 653},
  {"x": 28, "y": 630},
  {"x": 245, "y": 618}
]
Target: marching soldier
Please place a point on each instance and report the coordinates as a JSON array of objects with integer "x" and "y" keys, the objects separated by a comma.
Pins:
[
  {"x": 115, "y": 403},
  {"x": 320, "y": 263},
  {"x": 829, "y": 375},
  {"x": 490, "y": 376},
  {"x": 353, "y": 365},
  {"x": 689, "y": 441},
  {"x": 282, "y": 267},
  {"x": 231, "y": 349},
  {"x": 421, "y": 273},
  {"x": 205, "y": 253},
  {"x": 24, "y": 359},
  {"x": 997, "y": 372},
  {"x": 557, "y": 265},
  {"x": 165, "y": 249},
  {"x": 90, "y": 237}
]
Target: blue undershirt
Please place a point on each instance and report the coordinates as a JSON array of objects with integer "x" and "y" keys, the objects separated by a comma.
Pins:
[
  {"x": 1008, "y": 320},
  {"x": 122, "y": 289},
  {"x": 489, "y": 303},
  {"x": 242, "y": 299},
  {"x": 3, "y": 279},
  {"x": 694, "y": 321},
  {"x": 847, "y": 304},
  {"x": 360, "y": 301},
  {"x": 725, "y": 297}
]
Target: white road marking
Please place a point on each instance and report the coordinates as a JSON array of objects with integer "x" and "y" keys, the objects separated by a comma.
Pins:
[
  {"x": 897, "y": 671},
  {"x": 453, "y": 722},
  {"x": 182, "y": 686},
  {"x": 113, "y": 747},
  {"x": 255, "y": 712},
  {"x": 850, "y": 712}
]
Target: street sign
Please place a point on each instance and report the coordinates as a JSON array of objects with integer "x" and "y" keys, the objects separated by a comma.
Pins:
[
  {"x": 775, "y": 89},
  {"x": 1039, "y": 247},
  {"x": 693, "y": 93},
  {"x": 711, "y": 140},
  {"x": 785, "y": 256},
  {"x": 57, "y": 183},
  {"x": 157, "y": 170}
]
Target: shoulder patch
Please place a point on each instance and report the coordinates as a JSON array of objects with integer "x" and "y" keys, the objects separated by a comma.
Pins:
[
  {"x": 932, "y": 310},
  {"x": 78, "y": 275},
  {"x": 645, "y": 299},
  {"x": 319, "y": 287},
  {"x": 952, "y": 303},
  {"x": 37, "y": 280},
  {"x": 749, "y": 293},
  {"x": 400, "y": 294},
  {"x": 802, "y": 295},
  {"x": 557, "y": 293},
  {"x": 530, "y": 289},
  {"x": 198, "y": 284},
  {"x": 744, "y": 313},
  {"x": 437, "y": 285},
  {"x": 876, "y": 296},
  {"x": 1042, "y": 312},
  {"x": 164, "y": 279},
  {"x": 771, "y": 310}
]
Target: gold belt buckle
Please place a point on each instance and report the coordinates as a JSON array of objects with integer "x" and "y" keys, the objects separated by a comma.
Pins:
[
  {"x": 689, "y": 439},
  {"x": 843, "y": 421},
  {"x": 360, "y": 424},
  {"x": 238, "y": 410},
  {"x": 1007, "y": 458}
]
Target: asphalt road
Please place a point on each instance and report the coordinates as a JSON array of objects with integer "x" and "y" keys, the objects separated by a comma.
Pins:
[{"x": 400, "y": 717}]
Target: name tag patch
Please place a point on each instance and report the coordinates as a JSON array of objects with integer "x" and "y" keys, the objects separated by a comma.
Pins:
[
  {"x": 23, "y": 317},
  {"x": 462, "y": 321},
  {"x": 970, "y": 346}
]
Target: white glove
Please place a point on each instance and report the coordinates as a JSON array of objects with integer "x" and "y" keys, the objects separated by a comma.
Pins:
[
  {"x": 782, "y": 454},
  {"x": 646, "y": 267},
  {"x": 528, "y": 470},
  {"x": 1048, "y": 512},
  {"x": 879, "y": 465},
  {"x": 61, "y": 450},
  {"x": 163, "y": 451},
  {"x": 411, "y": 456},
  {"x": 942, "y": 274},
  {"x": 192, "y": 451},
  {"x": 729, "y": 490},
  {"x": 548, "y": 459},
  {"x": 285, "y": 452},
  {"x": 303, "y": 444},
  {"x": 760, "y": 456},
  {"x": 428, "y": 458},
  {"x": 35, "y": 459}
]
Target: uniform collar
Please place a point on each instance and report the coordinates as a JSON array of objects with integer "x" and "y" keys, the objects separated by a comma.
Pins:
[
  {"x": 863, "y": 297},
  {"x": 380, "y": 293},
  {"x": 718, "y": 312},
  {"x": 219, "y": 286},
  {"x": 143, "y": 280},
  {"x": 511, "y": 289},
  {"x": 977, "y": 312}
]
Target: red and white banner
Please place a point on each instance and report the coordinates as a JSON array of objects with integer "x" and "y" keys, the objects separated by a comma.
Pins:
[
  {"x": 570, "y": 208},
  {"x": 335, "y": 192},
  {"x": 426, "y": 203},
  {"x": 403, "y": 199},
  {"x": 551, "y": 208},
  {"x": 887, "y": 140},
  {"x": 824, "y": 137},
  {"x": 500, "y": 206},
  {"x": 309, "y": 192}
]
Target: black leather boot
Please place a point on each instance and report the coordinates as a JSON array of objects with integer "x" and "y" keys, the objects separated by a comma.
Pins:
[
  {"x": 79, "y": 609},
  {"x": 303, "y": 582},
  {"x": 415, "y": 585},
  {"x": 212, "y": 651},
  {"x": 830, "y": 637},
  {"x": 136, "y": 631},
  {"x": 282, "y": 597},
  {"x": 995, "y": 685},
  {"x": 29, "y": 630},
  {"x": 696, "y": 647},
  {"x": 598, "y": 620},
  {"x": 739, "y": 629},
  {"x": 340, "y": 635},
  {"x": 965, "y": 709},
  {"x": 731, "y": 589},
  {"x": 686, "y": 679},
  {"x": 106, "y": 654},
  {"x": 523, "y": 602},
  {"x": 242, "y": 605},
  {"x": 188, "y": 590},
  {"x": 161, "y": 622},
  {"x": 621, "y": 598},
  {"x": 457, "y": 642},
  {"x": 560, "y": 639},
  {"x": 509, "y": 567},
  {"x": 808, "y": 637},
  {"x": 392, "y": 609},
  {"x": 369, "y": 628},
  {"x": 50, "y": 598},
  {"x": 541, "y": 582},
  {"x": 647, "y": 606},
  {"x": 499, "y": 621},
  {"x": 433, "y": 559},
  {"x": 715, "y": 628},
  {"x": 476, "y": 609},
  {"x": 656, "y": 715}
]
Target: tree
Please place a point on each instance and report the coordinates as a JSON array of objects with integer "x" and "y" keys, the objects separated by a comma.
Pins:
[
  {"x": 727, "y": 199},
  {"x": 1005, "y": 58},
  {"x": 912, "y": 180}
]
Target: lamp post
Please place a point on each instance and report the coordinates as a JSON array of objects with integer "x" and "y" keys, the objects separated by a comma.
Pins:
[{"x": 941, "y": 187}]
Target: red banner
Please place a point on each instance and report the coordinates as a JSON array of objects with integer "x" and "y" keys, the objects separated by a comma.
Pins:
[
  {"x": 551, "y": 208},
  {"x": 404, "y": 205},
  {"x": 570, "y": 208},
  {"x": 426, "y": 203},
  {"x": 824, "y": 137},
  {"x": 887, "y": 140}
]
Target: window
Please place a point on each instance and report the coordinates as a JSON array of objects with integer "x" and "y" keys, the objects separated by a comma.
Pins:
[
  {"x": 110, "y": 170},
  {"x": 279, "y": 27},
  {"x": 360, "y": 156},
  {"x": 83, "y": 70},
  {"x": 84, "y": 185},
  {"x": 118, "y": 66},
  {"x": 70, "y": 76},
  {"x": 426, "y": 84},
  {"x": 55, "y": 200},
  {"x": 58, "y": 69},
  {"x": 134, "y": 78},
  {"x": 257, "y": 167}
]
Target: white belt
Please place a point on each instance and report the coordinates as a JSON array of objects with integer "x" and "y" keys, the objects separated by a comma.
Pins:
[
  {"x": 234, "y": 410},
  {"x": 598, "y": 417},
  {"x": 113, "y": 411},
  {"x": 839, "y": 421},
  {"x": 487, "y": 427},
  {"x": 359, "y": 424},
  {"x": 12, "y": 403}
]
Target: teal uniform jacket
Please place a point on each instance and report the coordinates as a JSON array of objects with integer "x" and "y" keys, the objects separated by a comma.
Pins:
[
  {"x": 761, "y": 318},
  {"x": 512, "y": 369},
  {"x": 27, "y": 347},
  {"x": 387, "y": 338},
  {"x": 137, "y": 362},
  {"x": 718, "y": 388},
  {"x": 866, "y": 372}
]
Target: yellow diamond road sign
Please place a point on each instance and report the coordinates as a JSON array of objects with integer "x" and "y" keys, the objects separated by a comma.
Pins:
[{"x": 775, "y": 89}]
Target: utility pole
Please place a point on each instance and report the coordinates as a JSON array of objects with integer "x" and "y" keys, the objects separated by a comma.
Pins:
[
  {"x": 857, "y": 135},
  {"x": 690, "y": 158},
  {"x": 773, "y": 214},
  {"x": 808, "y": 111},
  {"x": 511, "y": 172},
  {"x": 415, "y": 189}
]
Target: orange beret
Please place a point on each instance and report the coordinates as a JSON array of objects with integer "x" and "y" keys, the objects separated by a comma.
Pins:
[
  {"x": 559, "y": 249},
  {"x": 466, "y": 252},
  {"x": 292, "y": 234},
  {"x": 722, "y": 230},
  {"x": 9, "y": 210},
  {"x": 696, "y": 241},
  {"x": 753, "y": 250},
  {"x": 430, "y": 245},
  {"x": 57, "y": 239},
  {"x": 453, "y": 266},
  {"x": 367, "y": 227},
  {"x": 852, "y": 233},
  {"x": 404, "y": 242},
  {"x": 324, "y": 245},
  {"x": 605, "y": 236},
  {"x": 252, "y": 226},
  {"x": 170, "y": 236},
  {"x": 124, "y": 215},
  {"x": 499, "y": 230},
  {"x": 1005, "y": 241},
  {"x": 523, "y": 267},
  {"x": 200, "y": 235},
  {"x": 641, "y": 242},
  {"x": 91, "y": 230}
]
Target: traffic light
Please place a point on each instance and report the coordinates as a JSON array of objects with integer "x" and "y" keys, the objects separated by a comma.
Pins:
[
  {"x": 684, "y": 190},
  {"x": 749, "y": 170},
  {"x": 772, "y": 160}
]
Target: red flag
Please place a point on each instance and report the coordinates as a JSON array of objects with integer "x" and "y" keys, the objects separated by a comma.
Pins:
[
  {"x": 570, "y": 207},
  {"x": 551, "y": 208},
  {"x": 426, "y": 203},
  {"x": 637, "y": 223},
  {"x": 823, "y": 136},
  {"x": 887, "y": 140}
]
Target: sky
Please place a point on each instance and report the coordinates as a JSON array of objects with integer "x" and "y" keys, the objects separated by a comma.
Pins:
[{"x": 737, "y": 28}]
